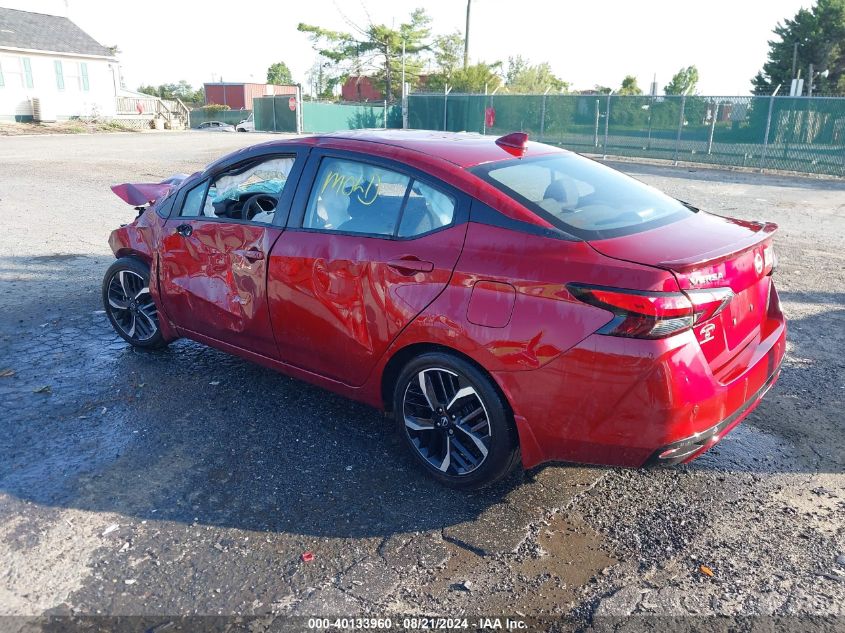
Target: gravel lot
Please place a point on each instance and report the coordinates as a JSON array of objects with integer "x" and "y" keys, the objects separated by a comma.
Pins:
[{"x": 190, "y": 482}]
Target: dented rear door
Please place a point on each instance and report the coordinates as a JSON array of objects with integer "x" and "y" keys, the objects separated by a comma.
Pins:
[{"x": 339, "y": 295}]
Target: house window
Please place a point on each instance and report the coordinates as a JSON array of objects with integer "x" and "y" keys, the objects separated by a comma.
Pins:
[
  {"x": 27, "y": 72},
  {"x": 60, "y": 77},
  {"x": 83, "y": 75},
  {"x": 15, "y": 72},
  {"x": 73, "y": 78}
]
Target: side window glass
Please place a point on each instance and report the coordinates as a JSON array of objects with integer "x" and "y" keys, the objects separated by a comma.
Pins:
[
  {"x": 248, "y": 192},
  {"x": 192, "y": 205},
  {"x": 355, "y": 197},
  {"x": 427, "y": 209}
]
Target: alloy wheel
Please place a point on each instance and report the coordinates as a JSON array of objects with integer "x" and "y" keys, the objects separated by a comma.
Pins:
[
  {"x": 446, "y": 421},
  {"x": 131, "y": 305}
]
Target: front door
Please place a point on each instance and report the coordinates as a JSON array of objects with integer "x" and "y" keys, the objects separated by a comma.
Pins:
[
  {"x": 214, "y": 253},
  {"x": 375, "y": 246}
]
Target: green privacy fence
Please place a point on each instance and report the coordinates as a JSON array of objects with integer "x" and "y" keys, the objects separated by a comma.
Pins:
[
  {"x": 233, "y": 117},
  {"x": 273, "y": 114},
  {"x": 329, "y": 117},
  {"x": 790, "y": 133}
]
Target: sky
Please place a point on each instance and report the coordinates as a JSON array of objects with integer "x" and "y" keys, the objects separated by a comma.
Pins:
[{"x": 586, "y": 42}]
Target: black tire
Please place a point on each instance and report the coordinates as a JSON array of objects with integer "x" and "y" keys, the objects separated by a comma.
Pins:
[
  {"x": 446, "y": 437},
  {"x": 129, "y": 305}
]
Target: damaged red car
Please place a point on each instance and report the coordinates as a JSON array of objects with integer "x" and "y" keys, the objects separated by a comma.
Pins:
[{"x": 506, "y": 301}]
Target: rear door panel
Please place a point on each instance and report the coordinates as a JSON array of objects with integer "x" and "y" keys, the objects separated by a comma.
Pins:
[{"x": 337, "y": 301}]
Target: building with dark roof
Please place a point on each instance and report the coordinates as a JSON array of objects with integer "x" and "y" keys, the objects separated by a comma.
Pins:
[{"x": 50, "y": 68}]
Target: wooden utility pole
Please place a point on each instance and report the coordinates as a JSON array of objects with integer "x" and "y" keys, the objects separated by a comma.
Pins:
[{"x": 466, "y": 37}]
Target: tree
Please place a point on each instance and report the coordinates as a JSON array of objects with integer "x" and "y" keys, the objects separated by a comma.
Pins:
[
  {"x": 526, "y": 78},
  {"x": 684, "y": 80},
  {"x": 181, "y": 90},
  {"x": 448, "y": 53},
  {"x": 375, "y": 48},
  {"x": 820, "y": 35},
  {"x": 602, "y": 90},
  {"x": 322, "y": 78},
  {"x": 476, "y": 78},
  {"x": 629, "y": 86},
  {"x": 279, "y": 74}
]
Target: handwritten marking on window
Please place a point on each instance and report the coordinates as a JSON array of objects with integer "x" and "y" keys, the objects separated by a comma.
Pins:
[{"x": 365, "y": 191}]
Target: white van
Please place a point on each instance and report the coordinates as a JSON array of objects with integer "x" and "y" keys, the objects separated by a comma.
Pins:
[{"x": 248, "y": 124}]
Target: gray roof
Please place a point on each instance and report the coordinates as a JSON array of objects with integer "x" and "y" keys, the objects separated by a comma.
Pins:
[{"x": 38, "y": 31}]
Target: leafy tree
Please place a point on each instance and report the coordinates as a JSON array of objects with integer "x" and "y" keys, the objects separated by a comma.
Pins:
[
  {"x": 820, "y": 35},
  {"x": 602, "y": 90},
  {"x": 516, "y": 67},
  {"x": 683, "y": 80},
  {"x": 629, "y": 86},
  {"x": 181, "y": 90},
  {"x": 279, "y": 74},
  {"x": 526, "y": 78},
  {"x": 477, "y": 77},
  {"x": 448, "y": 53},
  {"x": 375, "y": 48},
  {"x": 322, "y": 78}
]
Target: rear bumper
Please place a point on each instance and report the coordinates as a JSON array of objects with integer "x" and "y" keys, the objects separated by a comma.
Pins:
[
  {"x": 689, "y": 448},
  {"x": 625, "y": 402}
]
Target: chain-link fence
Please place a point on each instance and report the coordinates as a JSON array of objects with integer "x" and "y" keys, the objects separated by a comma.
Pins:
[{"x": 789, "y": 133}]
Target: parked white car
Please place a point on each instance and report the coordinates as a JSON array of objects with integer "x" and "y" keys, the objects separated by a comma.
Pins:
[
  {"x": 247, "y": 125},
  {"x": 216, "y": 126}
]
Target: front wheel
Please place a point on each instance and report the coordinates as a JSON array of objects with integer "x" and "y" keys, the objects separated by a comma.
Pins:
[
  {"x": 129, "y": 305},
  {"x": 454, "y": 421}
]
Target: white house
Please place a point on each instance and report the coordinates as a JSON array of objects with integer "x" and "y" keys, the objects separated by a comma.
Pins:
[{"x": 49, "y": 58}]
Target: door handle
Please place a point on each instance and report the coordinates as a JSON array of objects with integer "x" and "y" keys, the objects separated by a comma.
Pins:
[
  {"x": 184, "y": 230},
  {"x": 252, "y": 254},
  {"x": 410, "y": 265}
]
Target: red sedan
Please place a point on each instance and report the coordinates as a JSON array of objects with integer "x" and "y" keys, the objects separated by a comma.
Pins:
[{"x": 506, "y": 301}]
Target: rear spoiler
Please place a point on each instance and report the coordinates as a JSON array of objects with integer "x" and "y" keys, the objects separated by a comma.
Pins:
[
  {"x": 710, "y": 258},
  {"x": 140, "y": 193}
]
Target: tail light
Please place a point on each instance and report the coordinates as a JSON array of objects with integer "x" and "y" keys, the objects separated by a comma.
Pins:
[
  {"x": 708, "y": 302},
  {"x": 652, "y": 315}
]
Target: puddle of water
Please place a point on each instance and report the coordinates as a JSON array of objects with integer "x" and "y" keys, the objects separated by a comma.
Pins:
[
  {"x": 572, "y": 555},
  {"x": 568, "y": 554}
]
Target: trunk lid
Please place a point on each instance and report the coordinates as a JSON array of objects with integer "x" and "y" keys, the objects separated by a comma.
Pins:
[
  {"x": 140, "y": 193},
  {"x": 705, "y": 251}
]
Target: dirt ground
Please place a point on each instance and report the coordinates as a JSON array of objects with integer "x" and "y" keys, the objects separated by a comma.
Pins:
[
  {"x": 73, "y": 126},
  {"x": 188, "y": 482}
]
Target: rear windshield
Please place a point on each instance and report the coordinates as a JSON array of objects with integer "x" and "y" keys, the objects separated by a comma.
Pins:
[{"x": 581, "y": 196}]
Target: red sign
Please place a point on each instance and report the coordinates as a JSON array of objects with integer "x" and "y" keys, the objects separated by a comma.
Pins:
[
  {"x": 292, "y": 103},
  {"x": 490, "y": 116}
]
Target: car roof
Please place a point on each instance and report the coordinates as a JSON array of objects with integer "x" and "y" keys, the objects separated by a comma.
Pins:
[{"x": 463, "y": 149}]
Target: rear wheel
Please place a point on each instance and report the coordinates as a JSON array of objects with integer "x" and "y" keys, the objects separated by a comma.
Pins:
[
  {"x": 454, "y": 421},
  {"x": 129, "y": 305}
]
